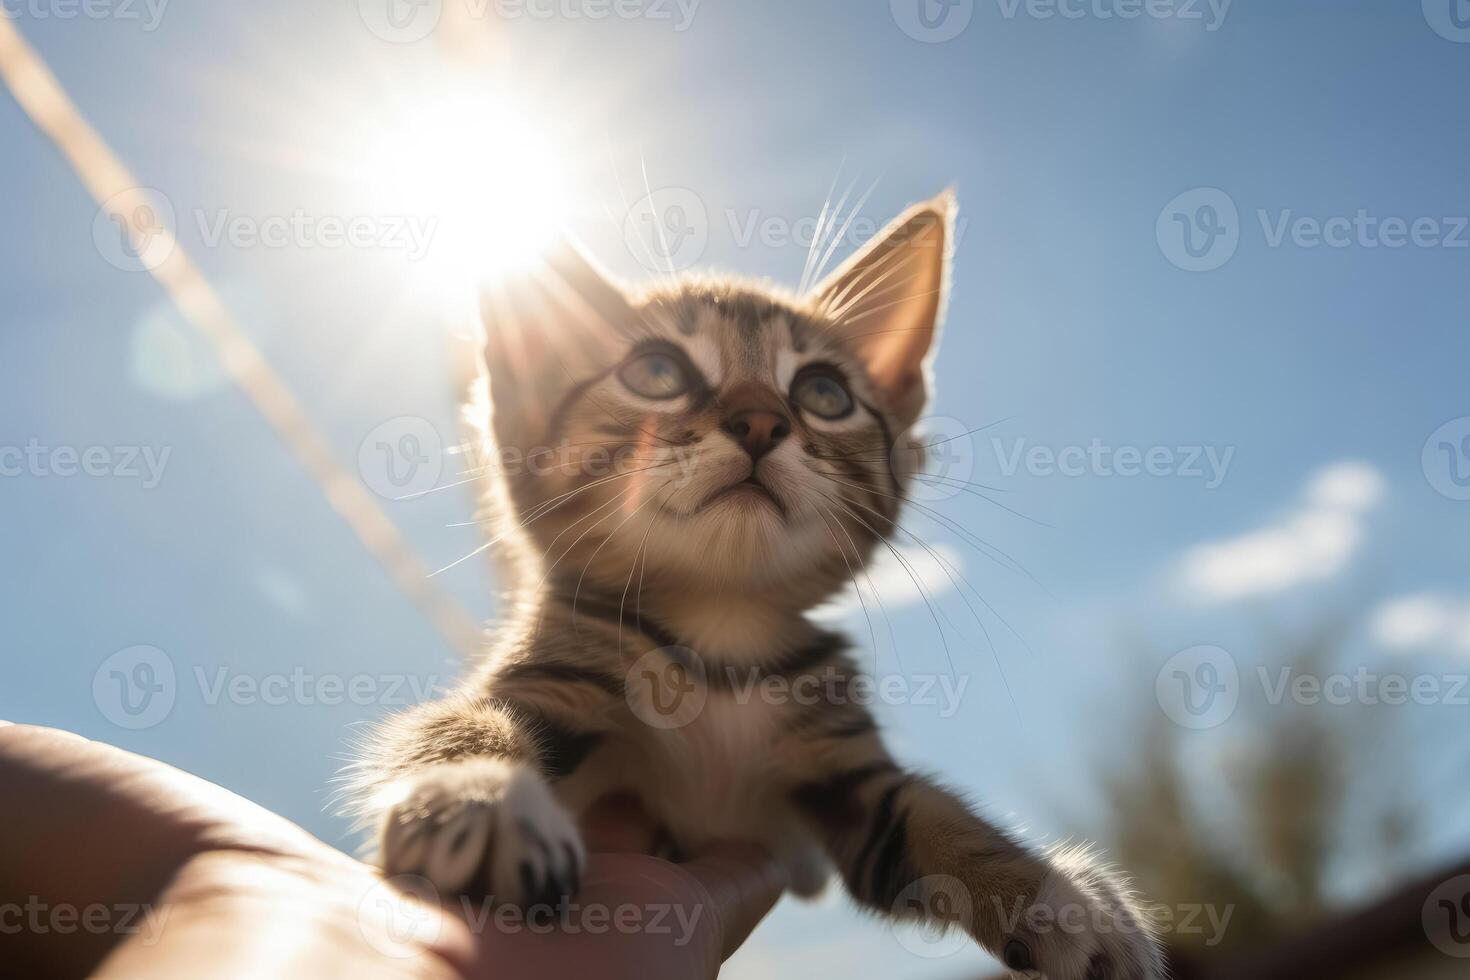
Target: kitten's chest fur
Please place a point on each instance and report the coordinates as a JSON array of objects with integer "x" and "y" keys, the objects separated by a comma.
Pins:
[
  {"x": 714, "y": 775},
  {"x": 710, "y": 771}
]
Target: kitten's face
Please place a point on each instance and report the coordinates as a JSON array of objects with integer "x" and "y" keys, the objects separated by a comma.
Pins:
[{"x": 714, "y": 434}]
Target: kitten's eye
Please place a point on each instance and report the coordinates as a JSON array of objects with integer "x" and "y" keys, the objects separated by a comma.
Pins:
[
  {"x": 823, "y": 395},
  {"x": 656, "y": 375}
]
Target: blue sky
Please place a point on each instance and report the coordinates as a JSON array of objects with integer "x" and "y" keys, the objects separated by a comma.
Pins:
[{"x": 1331, "y": 377}]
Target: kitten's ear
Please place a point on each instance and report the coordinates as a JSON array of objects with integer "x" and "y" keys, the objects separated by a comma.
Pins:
[
  {"x": 887, "y": 301},
  {"x": 546, "y": 330}
]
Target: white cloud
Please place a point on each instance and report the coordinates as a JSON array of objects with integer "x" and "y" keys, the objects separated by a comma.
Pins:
[
  {"x": 1311, "y": 543},
  {"x": 1423, "y": 622},
  {"x": 894, "y": 584}
]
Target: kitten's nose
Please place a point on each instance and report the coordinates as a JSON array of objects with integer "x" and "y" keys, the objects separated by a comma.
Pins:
[{"x": 758, "y": 431}]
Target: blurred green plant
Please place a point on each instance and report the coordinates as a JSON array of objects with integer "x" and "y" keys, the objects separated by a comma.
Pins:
[{"x": 1272, "y": 816}]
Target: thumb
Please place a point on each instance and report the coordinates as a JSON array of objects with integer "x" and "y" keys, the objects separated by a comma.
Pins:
[{"x": 742, "y": 882}]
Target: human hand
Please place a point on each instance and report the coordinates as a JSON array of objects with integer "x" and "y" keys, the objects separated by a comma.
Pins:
[{"x": 227, "y": 888}]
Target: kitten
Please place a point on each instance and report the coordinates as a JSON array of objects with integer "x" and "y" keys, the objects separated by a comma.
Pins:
[{"x": 680, "y": 475}]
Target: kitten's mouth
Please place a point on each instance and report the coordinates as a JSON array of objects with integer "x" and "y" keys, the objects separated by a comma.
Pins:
[{"x": 750, "y": 490}]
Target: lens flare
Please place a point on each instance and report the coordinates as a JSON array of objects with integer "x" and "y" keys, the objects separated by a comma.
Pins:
[{"x": 481, "y": 173}]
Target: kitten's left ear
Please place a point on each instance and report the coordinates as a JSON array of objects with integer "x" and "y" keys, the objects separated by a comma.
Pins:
[
  {"x": 888, "y": 300},
  {"x": 547, "y": 329}
]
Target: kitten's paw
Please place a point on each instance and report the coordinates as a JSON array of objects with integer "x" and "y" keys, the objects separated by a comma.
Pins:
[
  {"x": 1083, "y": 926},
  {"x": 482, "y": 828}
]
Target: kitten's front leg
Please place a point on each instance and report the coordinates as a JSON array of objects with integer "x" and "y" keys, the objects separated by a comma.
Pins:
[
  {"x": 482, "y": 827},
  {"x": 463, "y": 797},
  {"x": 911, "y": 849}
]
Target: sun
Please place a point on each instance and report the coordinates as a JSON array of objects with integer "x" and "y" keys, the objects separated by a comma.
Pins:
[{"x": 480, "y": 172}]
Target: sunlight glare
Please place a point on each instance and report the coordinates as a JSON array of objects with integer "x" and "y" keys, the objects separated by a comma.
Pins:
[{"x": 482, "y": 173}]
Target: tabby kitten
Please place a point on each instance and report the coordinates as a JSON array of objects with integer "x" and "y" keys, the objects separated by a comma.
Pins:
[{"x": 681, "y": 474}]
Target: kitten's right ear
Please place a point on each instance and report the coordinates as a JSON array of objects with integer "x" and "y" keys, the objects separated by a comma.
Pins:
[
  {"x": 546, "y": 330},
  {"x": 887, "y": 301}
]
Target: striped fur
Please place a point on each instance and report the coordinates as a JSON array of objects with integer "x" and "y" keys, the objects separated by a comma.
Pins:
[{"x": 657, "y": 642}]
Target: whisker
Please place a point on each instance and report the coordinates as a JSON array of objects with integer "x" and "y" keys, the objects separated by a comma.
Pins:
[
  {"x": 918, "y": 583},
  {"x": 839, "y": 316},
  {"x": 985, "y": 548},
  {"x": 846, "y": 225},
  {"x": 621, "y": 227},
  {"x": 928, "y": 445},
  {"x": 886, "y": 306},
  {"x": 623, "y": 602},
  {"x": 892, "y": 522},
  {"x": 658, "y": 218},
  {"x": 577, "y": 592},
  {"x": 819, "y": 233},
  {"x": 533, "y": 515},
  {"x": 827, "y": 518},
  {"x": 617, "y": 499}
]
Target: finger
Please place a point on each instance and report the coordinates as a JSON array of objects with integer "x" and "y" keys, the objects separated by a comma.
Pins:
[
  {"x": 618, "y": 825},
  {"x": 743, "y": 882}
]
